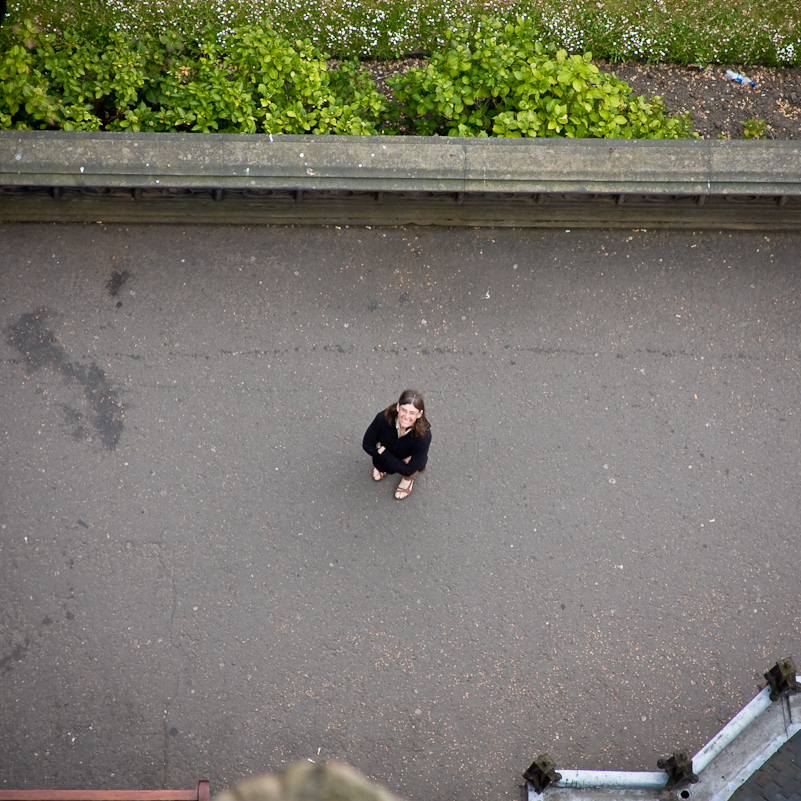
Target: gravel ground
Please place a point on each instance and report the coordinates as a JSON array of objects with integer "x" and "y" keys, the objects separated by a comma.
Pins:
[{"x": 719, "y": 106}]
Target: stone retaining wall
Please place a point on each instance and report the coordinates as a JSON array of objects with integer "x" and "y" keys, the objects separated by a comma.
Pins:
[{"x": 38, "y": 167}]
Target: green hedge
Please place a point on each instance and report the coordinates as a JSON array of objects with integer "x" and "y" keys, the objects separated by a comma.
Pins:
[
  {"x": 498, "y": 80},
  {"x": 489, "y": 79},
  {"x": 258, "y": 82}
]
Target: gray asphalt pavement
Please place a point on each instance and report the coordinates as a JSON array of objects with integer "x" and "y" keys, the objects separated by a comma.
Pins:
[{"x": 198, "y": 578}]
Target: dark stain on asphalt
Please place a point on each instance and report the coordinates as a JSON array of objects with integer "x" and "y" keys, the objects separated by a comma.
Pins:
[
  {"x": 116, "y": 282},
  {"x": 41, "y": 349},
  {"x": 17, "y": 654},
  {"x": 72, "y": 417}
]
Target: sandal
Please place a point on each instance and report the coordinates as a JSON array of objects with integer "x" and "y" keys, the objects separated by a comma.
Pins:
[
  {"x": 378, "y": 475},
  {"x": 404, "y": 492}
]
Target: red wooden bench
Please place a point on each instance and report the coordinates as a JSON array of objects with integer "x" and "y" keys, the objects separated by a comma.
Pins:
[{"x": 201, "y": 794}]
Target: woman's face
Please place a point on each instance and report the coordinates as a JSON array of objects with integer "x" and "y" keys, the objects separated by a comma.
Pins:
[{"x": 408, "y": 414}]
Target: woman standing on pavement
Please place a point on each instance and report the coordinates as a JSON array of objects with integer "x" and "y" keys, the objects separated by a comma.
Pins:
[{"x": 398, "y": 440}]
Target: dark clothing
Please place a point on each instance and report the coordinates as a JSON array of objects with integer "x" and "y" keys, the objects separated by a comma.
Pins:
[{"x": 397, "y": 448}]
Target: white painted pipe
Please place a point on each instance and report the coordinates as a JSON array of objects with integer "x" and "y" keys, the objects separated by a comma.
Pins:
[
  {"x": 741, "y": 721},
  {"x": 586, "y": 779}
]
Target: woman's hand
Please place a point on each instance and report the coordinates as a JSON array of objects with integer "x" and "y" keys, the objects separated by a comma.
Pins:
[
  {"x": 407, "y": 460},
  {"x": 380, "y": 448}
]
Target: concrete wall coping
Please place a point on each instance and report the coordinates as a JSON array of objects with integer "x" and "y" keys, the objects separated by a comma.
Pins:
[{"x": 400, "y": 163}]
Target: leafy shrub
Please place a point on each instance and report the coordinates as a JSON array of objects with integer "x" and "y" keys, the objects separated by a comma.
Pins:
[
  {"x": 498, "y": 79},
  {"x": 754, "y": 129},
  {"x": 493, "y": 79},
  {"x": 59, "y": 81},
  {"x": 258, "y": 82},
  {"x": 261, "y": 83}
]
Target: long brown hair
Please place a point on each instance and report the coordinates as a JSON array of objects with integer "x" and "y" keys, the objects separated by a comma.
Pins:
[{"x": 421, "y": 425}]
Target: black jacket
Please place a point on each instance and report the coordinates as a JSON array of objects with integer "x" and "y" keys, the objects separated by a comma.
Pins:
[{"x": 397, "y": 449}]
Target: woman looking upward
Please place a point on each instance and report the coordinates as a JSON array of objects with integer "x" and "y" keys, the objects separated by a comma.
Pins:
[{"x": 398, "y": 440}]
